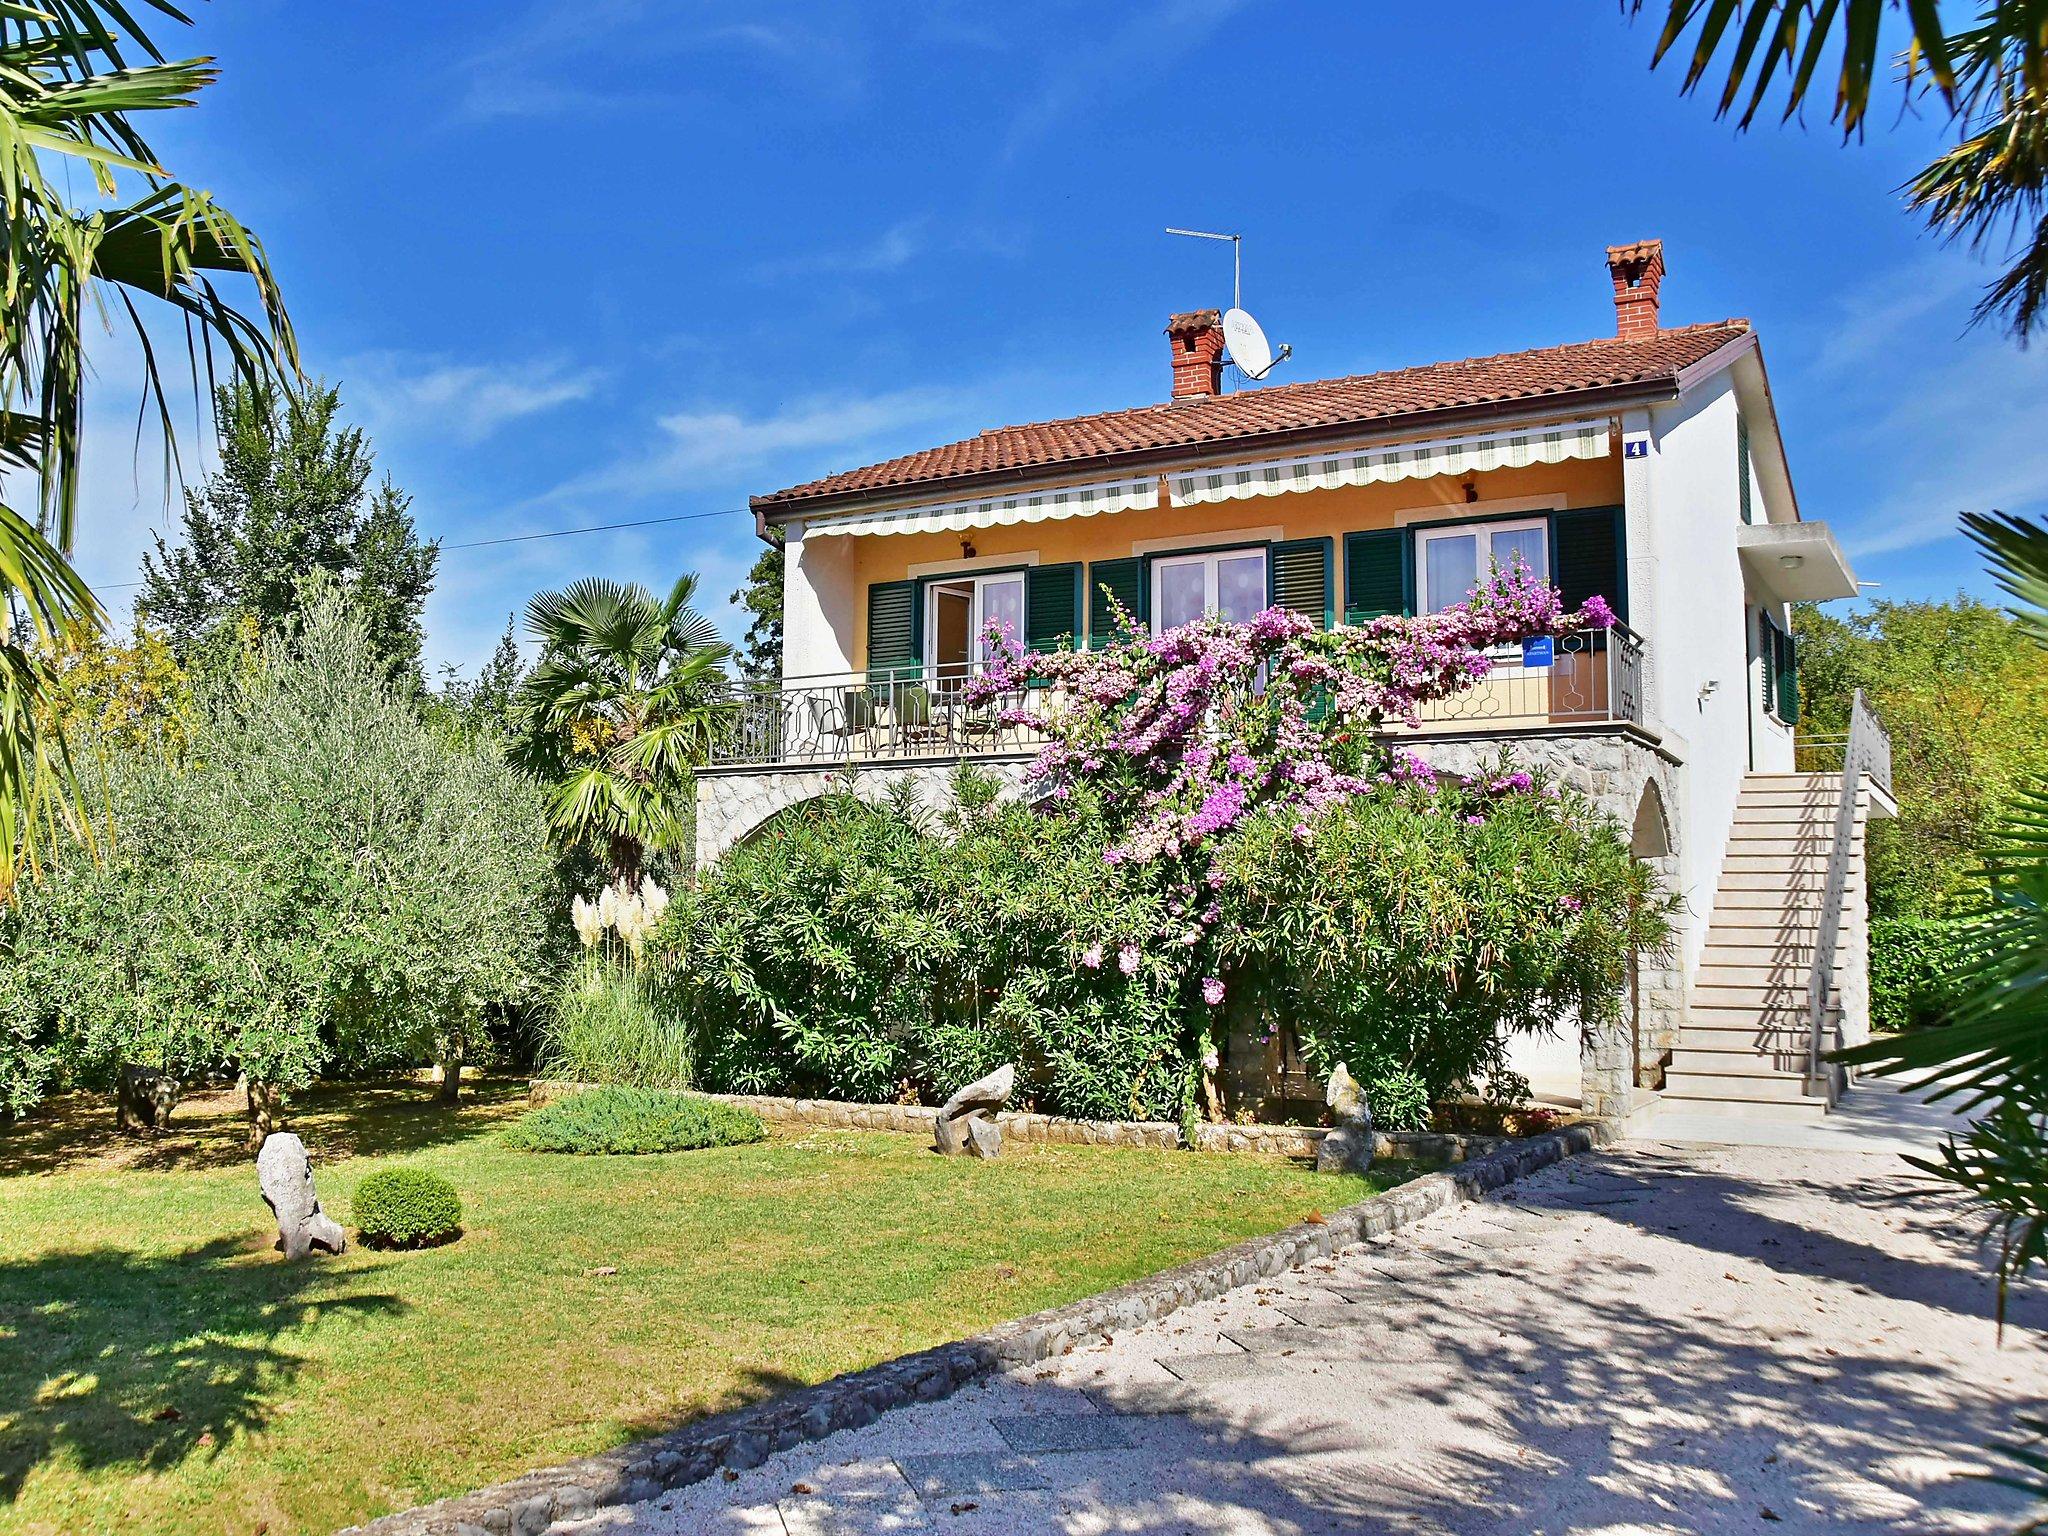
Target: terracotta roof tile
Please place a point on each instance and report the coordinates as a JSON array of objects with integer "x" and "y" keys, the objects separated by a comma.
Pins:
[{"x": 1375, "y": 400}]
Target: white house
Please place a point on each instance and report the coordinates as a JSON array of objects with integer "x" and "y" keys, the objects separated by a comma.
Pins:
[{"x": 1646, "y": 467}]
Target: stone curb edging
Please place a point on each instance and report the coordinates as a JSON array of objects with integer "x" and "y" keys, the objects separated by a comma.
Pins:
[
  {"x": 1059, "y": 1130},
  {"x": 746, "y": 1437}
]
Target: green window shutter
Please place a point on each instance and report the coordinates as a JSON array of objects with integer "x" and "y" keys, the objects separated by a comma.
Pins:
[
  {"x": 1298, "y": 579},
  {"x": 1123, "y": 579},
  {"x": 1767, "y": 650},
  {"x": 1052, "y": 606},
  {"x": 1586, "y": 557},
  {"x": 1742, "y": 465},
  {"x": 1378, "y": 575},
  {"x": 1788, "y": 679},
  {"x": 895, "y": 634}
]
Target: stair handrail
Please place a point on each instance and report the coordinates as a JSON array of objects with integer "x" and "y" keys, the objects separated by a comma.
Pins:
[{"x": 1867, "y": 751}]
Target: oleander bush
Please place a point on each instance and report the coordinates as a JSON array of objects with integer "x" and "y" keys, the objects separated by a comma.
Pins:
[
  {"x": 870, "y": 953},
  {"x": 406, "y": 1208},
  {"x": 620, "y": 1120}
]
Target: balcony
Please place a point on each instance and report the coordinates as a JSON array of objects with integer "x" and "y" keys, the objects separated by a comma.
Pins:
[{"x": 922, "y": 713}]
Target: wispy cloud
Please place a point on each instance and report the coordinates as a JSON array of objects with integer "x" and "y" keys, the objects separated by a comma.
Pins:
[
  {"x": 618, "y": 55},
  {"x": 1080, "y": 79},
  {"x": 693, "y": 446},
  {"x": 1964, "y": 431},
  {"x": 1964, "y": 438},
  {"x": 893, "y": 249},
  {"x": 902, "y": 243},
  {"x": 466, "y": 402}
]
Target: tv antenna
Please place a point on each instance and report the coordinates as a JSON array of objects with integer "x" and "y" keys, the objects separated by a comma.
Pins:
[{"x": 1250, "y": 353}]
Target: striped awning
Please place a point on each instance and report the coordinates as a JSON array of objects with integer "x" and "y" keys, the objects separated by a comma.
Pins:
[
  {"x": 1125, "y": 495},
  {"x": 1404, "y": 461},
  {"x": 1472, "y": 454}
]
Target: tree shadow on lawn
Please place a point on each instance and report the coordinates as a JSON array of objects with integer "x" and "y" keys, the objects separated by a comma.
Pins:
[
  {"x": 110, "y": 1358},
  {"x": 209, "y": 1130}
]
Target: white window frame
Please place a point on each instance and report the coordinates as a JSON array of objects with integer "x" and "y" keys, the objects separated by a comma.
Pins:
[
  {"x": 1208, "y": 559},
  {"x": 1425, "y": 600},
  {"x": 977, "y": 619}
]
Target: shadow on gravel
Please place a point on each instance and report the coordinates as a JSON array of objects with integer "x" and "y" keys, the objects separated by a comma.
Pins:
[{"x": 1550, "y": 1388}]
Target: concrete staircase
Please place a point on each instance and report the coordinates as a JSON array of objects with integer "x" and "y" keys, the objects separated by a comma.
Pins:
[{"x": 1742, "y": 1049}]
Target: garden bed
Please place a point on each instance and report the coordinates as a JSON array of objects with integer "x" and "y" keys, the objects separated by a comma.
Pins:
[
  {"x": 162, "y": 1370},
  {"x": 1292, "y": 1141}
]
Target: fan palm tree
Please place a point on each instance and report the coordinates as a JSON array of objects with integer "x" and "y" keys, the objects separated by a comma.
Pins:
[
  {"x": 143, "y": 244},
  {"x": 629, "y": 695},
  {"x": 1990, "y": 1052},
  {"x": 1991, "y": 189}
]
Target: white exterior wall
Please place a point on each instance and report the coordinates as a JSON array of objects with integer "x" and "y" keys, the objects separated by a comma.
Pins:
[
  {"x": 819, "y": 605},
  {"x": 1692, "y": 611}
]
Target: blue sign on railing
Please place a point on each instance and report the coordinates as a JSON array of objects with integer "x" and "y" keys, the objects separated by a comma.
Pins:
[{"x": 1539, "y": 651}]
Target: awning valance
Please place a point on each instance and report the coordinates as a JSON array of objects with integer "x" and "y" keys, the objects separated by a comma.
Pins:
[
  {"x": 1403, "y": 461},
  {"x": 1125, "y": 495}
]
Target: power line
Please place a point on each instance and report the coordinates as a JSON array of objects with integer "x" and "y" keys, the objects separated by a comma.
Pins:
[{"x": 527, "y": 538}]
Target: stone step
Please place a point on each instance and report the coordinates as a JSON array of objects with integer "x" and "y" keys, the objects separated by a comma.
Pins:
[
  {"x": 1758, "y": 1002},
  {"x": 1794, "y": 813},
  {"x": 1772, "y": 944},
  {"x": 1759, "y": 978},
  {"x": 1805, "y": 1112},
  {"x": 1751, "y": 1039},
  {"x": 1759, "y": 1087},
  {"x": 1738, "y": 1056},
  {"x": 1753, "y": 858},
  {"x": 1807, "y": 885}
]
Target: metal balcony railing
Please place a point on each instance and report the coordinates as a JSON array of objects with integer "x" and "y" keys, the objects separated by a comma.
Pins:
[{"x": 921, "y": 712}]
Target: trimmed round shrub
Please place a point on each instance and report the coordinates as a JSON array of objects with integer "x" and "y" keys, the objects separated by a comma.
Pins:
[
  {"x": 407, "y": 1208},
  {"x": 620, "y": 1120}
]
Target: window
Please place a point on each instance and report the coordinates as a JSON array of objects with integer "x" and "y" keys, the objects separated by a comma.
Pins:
[
  {"x": 1451, "y": 561},
  {"x": 959, "y": 612},
  {"x": 1780, "y": 655},
  {"x": 1229, "y": 584},
  {"x": 1742, "y": 466}
]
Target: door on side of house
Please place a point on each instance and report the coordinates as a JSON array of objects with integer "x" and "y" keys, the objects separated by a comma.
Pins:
[{"x": 958, "y": 613}]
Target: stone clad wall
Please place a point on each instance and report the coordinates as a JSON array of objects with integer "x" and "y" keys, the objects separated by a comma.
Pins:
[
  {"x": 733, "y": 803},
  {"x": 1059, "y": 1130}
]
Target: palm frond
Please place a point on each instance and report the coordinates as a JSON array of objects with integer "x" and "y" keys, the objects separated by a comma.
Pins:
[{"x": 2017, "y": 551}]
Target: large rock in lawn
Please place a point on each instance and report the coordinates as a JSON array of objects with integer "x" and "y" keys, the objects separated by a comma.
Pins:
[
  {"x": 1348, "y": 1146},
  {"x": 966, "y": 1126},
  {"x": 285, "y": 1173}
]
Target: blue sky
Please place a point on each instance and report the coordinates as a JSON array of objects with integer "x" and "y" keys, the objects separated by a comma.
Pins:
[{"x": 629, "y": 259}]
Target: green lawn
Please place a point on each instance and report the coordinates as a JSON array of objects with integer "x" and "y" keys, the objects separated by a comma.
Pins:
[{"x": 163, "y": 1370}]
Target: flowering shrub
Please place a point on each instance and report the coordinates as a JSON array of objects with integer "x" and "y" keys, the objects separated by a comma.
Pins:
[{"x": 1182, "y": 736}]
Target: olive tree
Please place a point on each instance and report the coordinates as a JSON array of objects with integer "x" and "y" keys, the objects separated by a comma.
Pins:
[{"x": 321, "y": 877}]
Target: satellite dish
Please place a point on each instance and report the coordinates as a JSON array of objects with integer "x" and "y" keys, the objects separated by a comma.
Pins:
[{"x": 1249, "y": 349}]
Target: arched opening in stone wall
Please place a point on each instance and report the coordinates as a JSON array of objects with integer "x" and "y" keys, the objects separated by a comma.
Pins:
[
  {"x": 1650, "y": 842},
  {"x": 781, "y": 823}
]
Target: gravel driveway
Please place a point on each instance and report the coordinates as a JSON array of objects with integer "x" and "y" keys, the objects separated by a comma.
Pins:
[{"x": 1654, "y": 1338}]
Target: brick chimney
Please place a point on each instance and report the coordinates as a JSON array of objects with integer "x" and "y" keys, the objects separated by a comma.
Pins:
[
  {"x": 1197, "y": 341},
  {"x": 1638, "y": 272}
]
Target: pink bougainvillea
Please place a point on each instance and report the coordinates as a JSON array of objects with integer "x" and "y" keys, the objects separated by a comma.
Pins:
[{"x": 1183, "y": 735}]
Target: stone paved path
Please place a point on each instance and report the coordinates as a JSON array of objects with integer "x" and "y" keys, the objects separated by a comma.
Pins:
[{"x": 1652, "y": 1339}]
